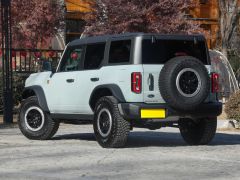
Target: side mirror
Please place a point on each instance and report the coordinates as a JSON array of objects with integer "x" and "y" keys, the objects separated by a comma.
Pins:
[
  {"x": 46, "y": 66},
  {"x": 54, "y": 70}
]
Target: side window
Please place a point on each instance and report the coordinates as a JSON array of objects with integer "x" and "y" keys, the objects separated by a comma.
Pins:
[
  {"x": 94, "y": 56},
  {"x": 72, "y": 59},
  {"x": 120, "y": 51}
]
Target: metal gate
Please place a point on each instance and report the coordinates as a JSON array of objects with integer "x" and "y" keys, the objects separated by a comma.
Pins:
[{"x": 14, "y": 62}]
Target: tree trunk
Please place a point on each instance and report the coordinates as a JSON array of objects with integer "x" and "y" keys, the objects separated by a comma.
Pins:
[
  {"x": 224, "y": 48},
  {"x": 229, "y": 16}
]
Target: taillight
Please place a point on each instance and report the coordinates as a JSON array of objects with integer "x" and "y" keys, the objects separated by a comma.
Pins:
[
  {"x": 215, "y": 82},
  {"x": 136, "y": 82}
]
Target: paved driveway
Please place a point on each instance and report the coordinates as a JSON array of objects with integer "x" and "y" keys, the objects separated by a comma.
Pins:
[{"x": 74, "y": 154}]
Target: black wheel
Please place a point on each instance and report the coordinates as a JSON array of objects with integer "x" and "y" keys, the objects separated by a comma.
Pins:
[
  {"x": 198, "y": 132},
  {"x": 34, "y": 123},
  {"x": 110, "y": 129},
  {"x": 184, "y": 83}
]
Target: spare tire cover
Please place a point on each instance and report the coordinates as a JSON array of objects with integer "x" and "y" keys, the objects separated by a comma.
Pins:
[{"x": 184, "y": 83}]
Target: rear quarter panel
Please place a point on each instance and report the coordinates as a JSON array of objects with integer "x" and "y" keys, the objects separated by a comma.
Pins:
[{"x": 121, "y": 76}]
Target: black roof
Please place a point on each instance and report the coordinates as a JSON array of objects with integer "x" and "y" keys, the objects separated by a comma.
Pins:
[{"x": 104, "y": 38}]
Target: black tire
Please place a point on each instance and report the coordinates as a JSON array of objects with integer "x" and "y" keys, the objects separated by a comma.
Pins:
[
  {"x": 48, "y": 127},
  {"x": 117, "y": 132},
  {"x": 174, "y": 78},
  {"x": 199, "y": 132}
]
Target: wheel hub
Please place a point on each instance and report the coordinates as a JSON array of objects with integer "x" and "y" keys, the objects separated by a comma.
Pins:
[
  {"x": 104, "y": 122},
  {"x": 34, "y": 118},
  {"x": 188, "y": 82}
]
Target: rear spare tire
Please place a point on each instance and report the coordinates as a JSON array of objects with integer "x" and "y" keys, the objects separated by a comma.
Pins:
[{"x": 184, "y": 83}]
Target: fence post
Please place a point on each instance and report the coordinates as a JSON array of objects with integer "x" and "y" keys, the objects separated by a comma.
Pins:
[{"x": 7, "y": 61}]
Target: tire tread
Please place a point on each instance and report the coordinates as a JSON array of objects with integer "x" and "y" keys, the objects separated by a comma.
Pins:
[
  {"x": 50, "y": 130},
  {"x": 119, "y": 134}
]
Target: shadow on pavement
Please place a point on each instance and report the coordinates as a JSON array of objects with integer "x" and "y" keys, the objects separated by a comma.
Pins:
[
  {"x": 226, "y": 139},
  {"x": 79, "y": 136},
  {"x": 7, "y": 126},
  {"x": 148, "y": 139}
]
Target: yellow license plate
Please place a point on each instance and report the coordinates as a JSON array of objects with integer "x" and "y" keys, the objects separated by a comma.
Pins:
[{"x": 153, "y": 113}]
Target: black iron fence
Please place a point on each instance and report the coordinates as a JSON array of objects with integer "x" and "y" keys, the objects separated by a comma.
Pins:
[
  {"x": 25, "y": 62},
  {"x": 30, "y": 60}
]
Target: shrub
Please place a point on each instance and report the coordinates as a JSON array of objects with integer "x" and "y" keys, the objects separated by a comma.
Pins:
[
  {"x": 18, "y": 86},
  {"x": 232, "y": 107}
]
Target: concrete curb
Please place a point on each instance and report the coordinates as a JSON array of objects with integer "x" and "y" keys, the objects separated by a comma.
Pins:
[
  {"x": 222, "y": 124},
  {"x": 225, "y": 124}
]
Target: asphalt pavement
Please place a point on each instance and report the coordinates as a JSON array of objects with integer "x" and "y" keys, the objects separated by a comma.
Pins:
[{"x": 74, "y": 154}]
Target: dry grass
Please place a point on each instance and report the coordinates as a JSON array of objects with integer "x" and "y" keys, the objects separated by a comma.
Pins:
[{"x": 222, "y": 117}]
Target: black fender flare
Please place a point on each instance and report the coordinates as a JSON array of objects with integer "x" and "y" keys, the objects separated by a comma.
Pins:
[
  {"x": 113, "y": 88},
  {"x": 38, "y": 91}
]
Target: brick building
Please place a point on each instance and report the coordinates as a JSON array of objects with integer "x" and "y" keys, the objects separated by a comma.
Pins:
[
  {"x": 207, "y": 15},
  {"x": 76, "y": 12}
]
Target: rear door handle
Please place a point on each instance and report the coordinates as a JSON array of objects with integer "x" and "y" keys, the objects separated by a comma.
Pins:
[
  {"x": 70, "y": 80},
  {"x": 151, "y": 82},
  {"x": 94, "y": 79}
]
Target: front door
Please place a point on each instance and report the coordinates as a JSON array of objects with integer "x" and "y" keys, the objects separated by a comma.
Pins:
[{"x": 63, "y": 89}]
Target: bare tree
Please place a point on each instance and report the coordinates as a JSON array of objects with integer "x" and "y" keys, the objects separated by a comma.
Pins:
[{"x": 229, "y": 17}]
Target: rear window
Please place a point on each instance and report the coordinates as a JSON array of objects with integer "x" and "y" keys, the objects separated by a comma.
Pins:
[
  {"x": 120, "y": 52},
  {"x": 160, "y": 51},
  {"x": 94, "y": 56}
]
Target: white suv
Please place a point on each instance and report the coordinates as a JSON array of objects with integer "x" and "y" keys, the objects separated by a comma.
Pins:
[{"x": 123, "y": 81}]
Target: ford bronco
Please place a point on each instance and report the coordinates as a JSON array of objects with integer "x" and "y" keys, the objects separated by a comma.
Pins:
[{"x": 119, "y": 82}]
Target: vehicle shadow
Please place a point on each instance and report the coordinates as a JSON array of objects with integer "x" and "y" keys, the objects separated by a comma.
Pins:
[
  {"x": 165, "y": 139},
  {"x": 156, "y": 139},
  {"x": 78, "y": 136}
]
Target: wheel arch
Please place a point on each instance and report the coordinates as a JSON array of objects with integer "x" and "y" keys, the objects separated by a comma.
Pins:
[
  {"x": 39, "y": 93},
  {"x": 106, "y": 90}
]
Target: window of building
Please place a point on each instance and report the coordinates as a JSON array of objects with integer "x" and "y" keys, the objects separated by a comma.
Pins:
[
  {"x": 71, "y": 60},
  {"x": 203, "y": 1},
  {"x": 120, "y": 51},
  {"x": 74, "y": 29},
  {"x": 94, "y": 56}
]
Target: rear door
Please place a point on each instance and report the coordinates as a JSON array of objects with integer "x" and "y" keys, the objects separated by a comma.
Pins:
[
  {"x": 92, "y": 73},
  {"x": 153, "y": 56}
]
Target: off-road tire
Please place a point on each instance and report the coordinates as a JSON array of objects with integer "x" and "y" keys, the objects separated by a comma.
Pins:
[
  {"x": 120, "y": 127},
  {"x": 198, "y": 132},
  {"x": 168, "y": 83},
  {"x": 49, "y": 128}
]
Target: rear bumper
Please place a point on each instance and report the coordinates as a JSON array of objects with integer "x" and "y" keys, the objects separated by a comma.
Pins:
[{"x": 132, "y": 111}]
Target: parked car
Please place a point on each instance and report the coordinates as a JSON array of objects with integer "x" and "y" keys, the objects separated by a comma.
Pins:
[{"x": 119, "y": 82}]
